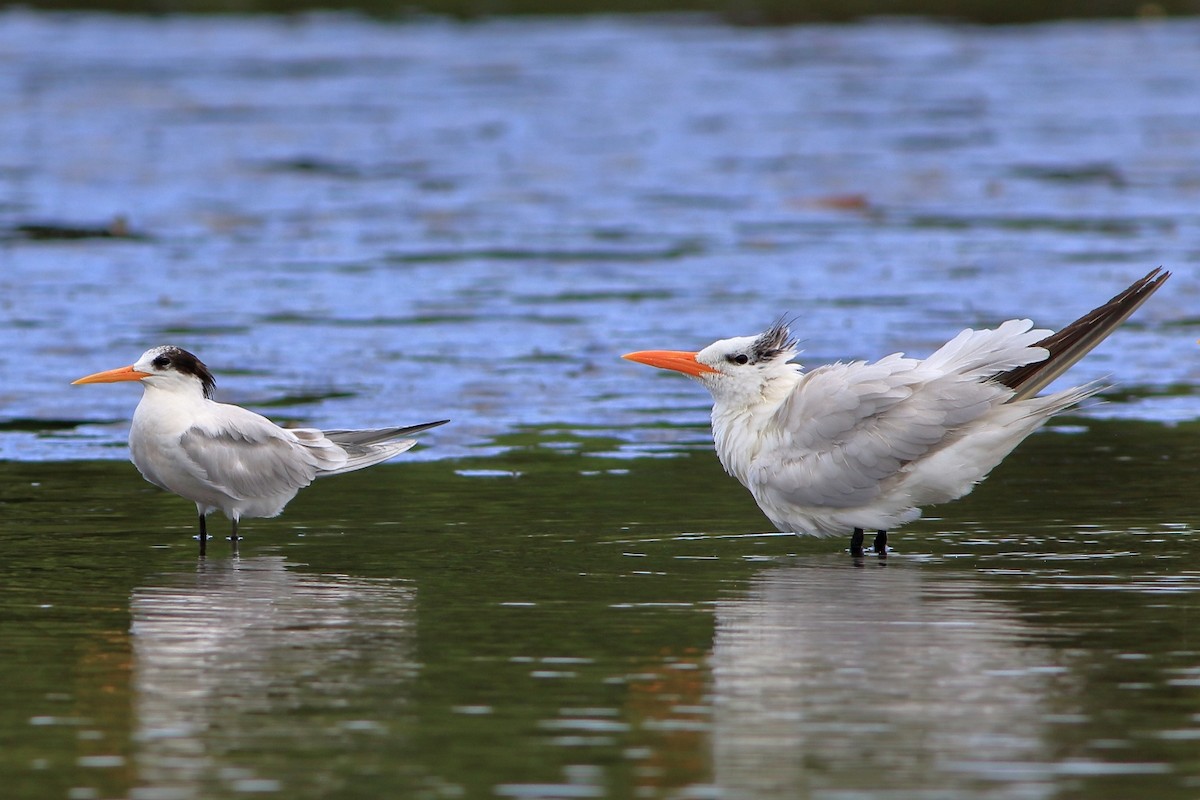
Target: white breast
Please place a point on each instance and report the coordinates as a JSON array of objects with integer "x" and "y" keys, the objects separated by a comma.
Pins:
[{"x": 159, "y": 423}]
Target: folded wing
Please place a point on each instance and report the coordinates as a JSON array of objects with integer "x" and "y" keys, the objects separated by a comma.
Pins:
[
  {"x": 848, "y": 428},
  {"x": 248, "y": 457}
]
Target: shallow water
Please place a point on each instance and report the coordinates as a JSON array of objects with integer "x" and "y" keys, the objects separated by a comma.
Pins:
[
  {"x": 560, "y": 594},
  {"x": 570, "y": 633}
]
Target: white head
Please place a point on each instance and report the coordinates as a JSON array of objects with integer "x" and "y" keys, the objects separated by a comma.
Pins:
[
  {"x": 168, "y": 367},
  {"x": 738, "y": 371}
]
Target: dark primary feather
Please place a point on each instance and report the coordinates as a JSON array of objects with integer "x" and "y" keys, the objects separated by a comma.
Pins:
[
  {"x": 376, "y": 435},
  {"x": 1077, "y": 339},
  {"x": 366, "y": 447}
]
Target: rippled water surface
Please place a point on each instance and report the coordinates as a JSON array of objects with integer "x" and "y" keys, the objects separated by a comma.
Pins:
[{"x": 560, "y": 595}]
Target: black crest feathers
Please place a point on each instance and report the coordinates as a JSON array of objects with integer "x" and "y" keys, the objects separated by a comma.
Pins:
[
  {"x": 183, "y": 362},
  {"x": 773, "y": 342}
]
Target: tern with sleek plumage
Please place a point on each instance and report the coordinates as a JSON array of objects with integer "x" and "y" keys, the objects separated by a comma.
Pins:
[
  {"x": 224, "y": 457},
  {"x": 852, "y": 447}
]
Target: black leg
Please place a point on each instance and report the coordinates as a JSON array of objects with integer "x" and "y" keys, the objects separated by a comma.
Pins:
[
  {"x": 881, "y": 542},
  {"x": 856, "y": 542},
  {"x": 203, "y": 536},
  {"x": 233, "y": 537}
]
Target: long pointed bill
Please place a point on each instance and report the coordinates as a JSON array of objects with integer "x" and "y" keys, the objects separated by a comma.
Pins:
[
  {"x": 678, "y": 360},
  {"x": 113, "y": 375}
]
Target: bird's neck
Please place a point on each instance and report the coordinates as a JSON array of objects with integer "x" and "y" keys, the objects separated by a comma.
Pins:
[
  {"x": 176, "y": 402},
  {"x": 739, "y": 422}
]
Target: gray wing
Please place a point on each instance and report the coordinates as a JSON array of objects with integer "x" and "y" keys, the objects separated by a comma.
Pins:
[
  {"x": 247, "y": 456},
  {"x": 364, "y": 448},
  {"x": 849, "y": 428},
  {"x": 371, "y": 436}
]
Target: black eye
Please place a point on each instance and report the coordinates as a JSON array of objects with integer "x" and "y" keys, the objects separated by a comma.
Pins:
[
  {"x": 162, "y": 362},
  {"x": 740, "y": 358}
]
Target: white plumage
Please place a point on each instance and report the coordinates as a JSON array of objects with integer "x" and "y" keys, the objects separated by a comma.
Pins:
[
  {"x": 224, "y": 457},
  {"x": 862, "y": 446}
]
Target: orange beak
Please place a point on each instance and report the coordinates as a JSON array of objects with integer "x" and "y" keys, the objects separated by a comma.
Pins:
[
  {"x": 678, "y": 360},
  {"x": 113, "y": 375}
]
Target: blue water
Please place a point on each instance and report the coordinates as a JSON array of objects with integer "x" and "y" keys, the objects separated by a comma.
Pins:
[{"x": 360, "y": 224}]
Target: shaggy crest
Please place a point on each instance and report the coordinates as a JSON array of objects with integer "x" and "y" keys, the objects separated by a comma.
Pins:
[{"x": 773, "y": 342}]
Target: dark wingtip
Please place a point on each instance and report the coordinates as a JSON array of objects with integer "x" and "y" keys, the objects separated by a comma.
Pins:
[{"x": 1074, "y": 341}]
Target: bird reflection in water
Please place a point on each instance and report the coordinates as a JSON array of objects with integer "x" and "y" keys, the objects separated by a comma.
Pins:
[
  {"x": 253, "y": 655},
  {"x": 828, "y": 677}
]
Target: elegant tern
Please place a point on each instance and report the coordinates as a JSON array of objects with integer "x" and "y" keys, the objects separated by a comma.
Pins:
[
  {"x": 224, "y": 457},
  {"x": 862, "y": 446}
]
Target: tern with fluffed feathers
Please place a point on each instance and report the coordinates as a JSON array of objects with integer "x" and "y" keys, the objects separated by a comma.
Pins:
[
  {"x": 852, "y": 447},
  {"x": 226, "y": 458}
]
